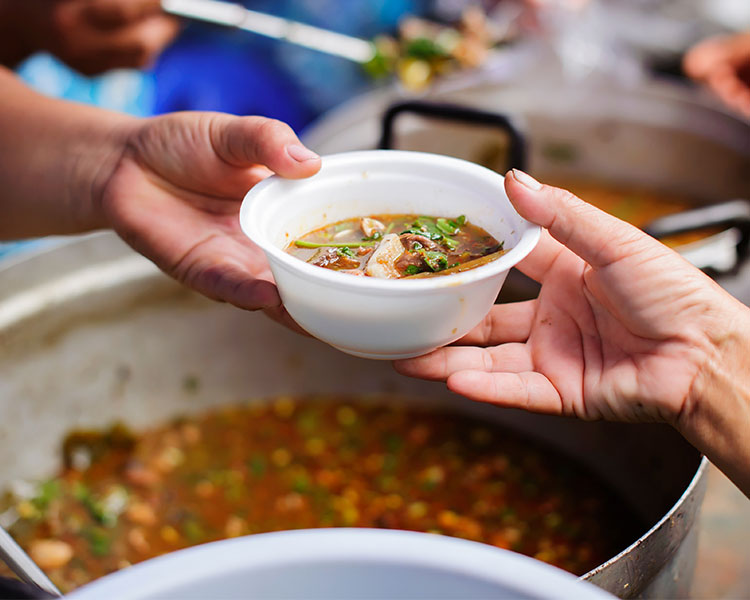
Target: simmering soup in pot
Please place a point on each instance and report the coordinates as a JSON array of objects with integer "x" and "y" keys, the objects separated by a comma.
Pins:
[
  {"x": 301, "y": 463},
  {"x": 398, "y": 246},
  {"x": 635, "y": 205}
]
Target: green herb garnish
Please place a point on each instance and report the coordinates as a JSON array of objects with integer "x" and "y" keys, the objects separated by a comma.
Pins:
[
  {"x": 258, "y": 465},
  {"x": 47, "y": 492},
  {"x": 437, "y": 231},
  {"x": 99, "y": 541},
  {"x": 412, "y": 270},
  {"x": 193, "y": 531},
  {"x": 345, "y": 251},
  {"x": 437, "y": 261}
]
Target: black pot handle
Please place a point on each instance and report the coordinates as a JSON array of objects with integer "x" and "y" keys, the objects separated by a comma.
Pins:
[
  {"x": 462, "y": 114},
  {"x": 729, "y": 214},
  {"x": 14, "y": 589}
]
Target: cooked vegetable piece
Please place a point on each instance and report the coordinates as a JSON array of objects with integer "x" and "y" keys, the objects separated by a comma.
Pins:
[
  {"x": 382, "y": 263},
  {"x": 371, "y": 227}
]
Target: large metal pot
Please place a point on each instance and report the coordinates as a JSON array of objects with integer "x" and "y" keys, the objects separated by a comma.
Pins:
[
  {"x": 91, "y": 333},
  {"x": 658, "y": 136}
]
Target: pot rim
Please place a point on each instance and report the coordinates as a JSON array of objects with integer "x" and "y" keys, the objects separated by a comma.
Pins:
[{"x": 691, "y": 489}]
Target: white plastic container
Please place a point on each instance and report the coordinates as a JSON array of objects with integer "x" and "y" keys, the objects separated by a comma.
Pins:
[
  {"x": 341, "y": 563},
  {"x": 378, "y": 318}
]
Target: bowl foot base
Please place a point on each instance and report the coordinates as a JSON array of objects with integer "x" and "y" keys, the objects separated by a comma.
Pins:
[{"x": 384, "y": 356}]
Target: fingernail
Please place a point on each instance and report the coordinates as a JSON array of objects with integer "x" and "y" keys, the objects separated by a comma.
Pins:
[
  {"x": 300, "y": 153},
  {"x": 526, "y": 180}
]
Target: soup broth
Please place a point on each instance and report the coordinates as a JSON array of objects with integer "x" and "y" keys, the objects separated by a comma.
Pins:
[{"x": 397, "y": 246}]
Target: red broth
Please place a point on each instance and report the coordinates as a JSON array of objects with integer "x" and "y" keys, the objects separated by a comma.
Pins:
[{"x": 304, "y": 463}]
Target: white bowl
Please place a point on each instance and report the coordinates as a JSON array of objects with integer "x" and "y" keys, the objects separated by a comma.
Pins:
[
  {"x": 380, "y": 318},
  {"x": 341, "y": 563}
]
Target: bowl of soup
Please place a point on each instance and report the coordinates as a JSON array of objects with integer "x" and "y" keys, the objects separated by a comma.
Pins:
[{"x": 401, "y": 252}]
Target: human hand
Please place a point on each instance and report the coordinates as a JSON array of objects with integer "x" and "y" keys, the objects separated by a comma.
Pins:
[
  {"x": 174, "y": 196},
  {"x": 623, "y": 329},
  {"x": 723, "y": 63},
  {"x": 92, "y": 36}
]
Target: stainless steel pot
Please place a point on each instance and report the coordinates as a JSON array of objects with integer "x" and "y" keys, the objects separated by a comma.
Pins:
[
  {"x": 657, "y": 135},
  {"x": 91, "y": 333}
]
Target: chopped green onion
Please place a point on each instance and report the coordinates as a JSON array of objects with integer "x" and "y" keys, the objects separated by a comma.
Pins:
[
  {"x": 304, "y": 244},
  {"x": 445, "y": 227},
  {"x": 449, "y": 243},
  {"x": 374, "y": 237},
  {"x": 84, "y": 495},
  {"x": 345, "y": 251},
  {"x": 412, "y": 270}
]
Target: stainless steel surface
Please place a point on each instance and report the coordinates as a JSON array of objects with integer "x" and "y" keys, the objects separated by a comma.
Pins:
[
  {"x": 21, "y": 564},
  {"x": 661, "y": 563},
  {"x": 91, "y": 333},
  {"x": 236, "y": 15}
]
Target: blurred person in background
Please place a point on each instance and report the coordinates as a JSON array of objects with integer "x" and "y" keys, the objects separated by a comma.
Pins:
[
  {"x": 90, "y": 36},
  {"x": 723, "y": 64}
]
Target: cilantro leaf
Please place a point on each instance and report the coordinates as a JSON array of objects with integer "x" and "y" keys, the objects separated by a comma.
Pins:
[{"x": 437, "y": 261}]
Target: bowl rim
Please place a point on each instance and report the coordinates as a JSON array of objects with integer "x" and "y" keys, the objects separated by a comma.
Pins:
[
  {"x": 474, "y": 560},
  {"x": 358, "y": 159}
]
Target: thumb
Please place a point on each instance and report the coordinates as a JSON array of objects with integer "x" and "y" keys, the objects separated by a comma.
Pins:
[
  {"x": 246, "y": 141},
  {"x": 594, "y": 235}
]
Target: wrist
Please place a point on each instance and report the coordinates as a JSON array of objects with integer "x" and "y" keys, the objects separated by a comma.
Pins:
[
  {"x": 716, "y": 418},
  {"x": 94, "y": 170}
]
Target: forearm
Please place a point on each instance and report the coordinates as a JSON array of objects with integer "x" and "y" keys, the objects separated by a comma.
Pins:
[
  {"x": 717, "y": 421},
  {"x": 55, "y": 157}
]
